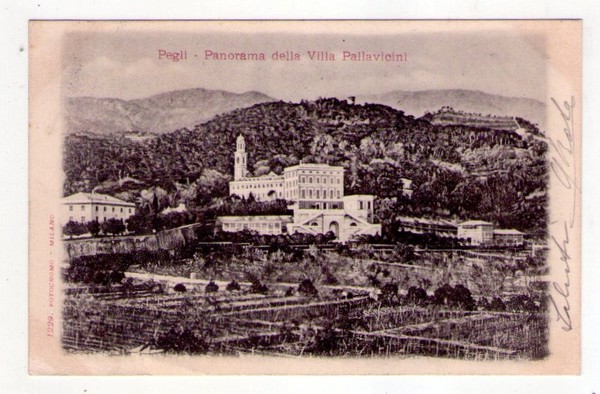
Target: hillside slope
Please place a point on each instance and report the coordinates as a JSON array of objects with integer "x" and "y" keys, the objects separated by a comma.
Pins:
[
  {"x": 458, "y": 172},
  {"x": 156, "y": 114},
  {"x": 417, "y": 103}
]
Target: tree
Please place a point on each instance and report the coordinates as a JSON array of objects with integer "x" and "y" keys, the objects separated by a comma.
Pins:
[
  {"x": 113, "y": 226},
  {"x": 139, "y": 224},
  {"x": 74, "y": 228},
  {"x": 94, "y": 228}
]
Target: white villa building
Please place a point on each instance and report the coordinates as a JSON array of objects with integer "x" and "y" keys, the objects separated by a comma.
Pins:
[
  {"x": 86, "y": 207},
  {"x": 478, "y": 232},
  {"x": 317, "y": 192}
]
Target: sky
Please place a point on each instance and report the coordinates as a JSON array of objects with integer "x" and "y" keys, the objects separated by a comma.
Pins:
[{"x": 122, "y": 61}]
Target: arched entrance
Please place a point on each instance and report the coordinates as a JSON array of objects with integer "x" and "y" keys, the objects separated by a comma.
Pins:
[{"x": 334, "y": 227}]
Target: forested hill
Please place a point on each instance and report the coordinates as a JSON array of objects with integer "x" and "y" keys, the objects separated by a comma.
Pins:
[{"x": 460, "y": 172}]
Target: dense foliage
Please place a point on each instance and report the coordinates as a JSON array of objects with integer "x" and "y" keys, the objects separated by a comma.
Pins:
[{"x": 458, "y": 171}]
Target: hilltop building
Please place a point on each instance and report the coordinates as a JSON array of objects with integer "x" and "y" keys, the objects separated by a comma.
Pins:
[
  {"x": 86, "y": 207},
  {"x": 317, "y": 192}
]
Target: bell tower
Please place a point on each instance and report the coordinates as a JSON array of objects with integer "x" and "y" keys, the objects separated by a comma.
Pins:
[{"x": 241, "y": 159}]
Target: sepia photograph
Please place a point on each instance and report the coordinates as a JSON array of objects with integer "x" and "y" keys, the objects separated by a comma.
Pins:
[{"x": 394, "y": 196}]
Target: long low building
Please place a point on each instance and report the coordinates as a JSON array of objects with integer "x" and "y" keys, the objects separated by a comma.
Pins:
[
  {"x": 441, "y": 228},
  {"x": 86, "y": 207},
  {"x": 265, "y": 225},
  {"x": 509, "y": 237}
]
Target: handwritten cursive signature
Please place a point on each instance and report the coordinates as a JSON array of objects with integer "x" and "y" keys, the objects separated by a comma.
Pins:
[
  {"x": 562, "y": 307},
  {"x": 564, "y": 167}
]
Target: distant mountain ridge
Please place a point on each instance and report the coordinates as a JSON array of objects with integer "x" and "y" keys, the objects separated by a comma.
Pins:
[
  {"x": 417, "y": 103},
  {"x": 161, "y": 113}
]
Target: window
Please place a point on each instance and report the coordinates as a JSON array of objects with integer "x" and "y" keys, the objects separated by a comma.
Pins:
[
  {"x": 331, "y": 193},
  {"x": 129, "y": 210},
  {"x": 113, "y": 209},
  {"x": 324, "y": 180},
  {"x": 96, "y": 209},
  {"x": 337, "y": 181},
  {"x": 310, "y": 179},
  {"x": 70, "y": 207},
  {"x": 318, "y": 193},
  {"x": 83, "y": 219},
  {"x": 368, "y": 204},
  {"x": 360, "y": 205},
  {"x": 302, "y": 179},
  {"x": 338, "y": 194},
  {"x": 104, "y": 211},
  {"x": 83, "y": 207},
  {"x": 317, "y": 179},
  {"x": 121, "y": 210},
  {"x": 303, "y": 193},
  {"x": 310, "y": 193}
]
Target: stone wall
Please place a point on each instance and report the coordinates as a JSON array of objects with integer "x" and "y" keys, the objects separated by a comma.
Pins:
[{"x": 165, "y": 240}]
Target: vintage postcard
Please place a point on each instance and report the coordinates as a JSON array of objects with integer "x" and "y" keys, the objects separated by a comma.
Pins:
[{"x": 305, "y": 197}]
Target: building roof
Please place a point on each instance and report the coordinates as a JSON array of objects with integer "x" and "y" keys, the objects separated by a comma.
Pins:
[
  {"x": 417, "y": 221},
  {"x": 511, "y": 231},
  {"x": 313, "y": 166},
  {"x": 475, "y": 223},
  {"x": 250, "y": 218},
  {"x": 94, "y": 198}
]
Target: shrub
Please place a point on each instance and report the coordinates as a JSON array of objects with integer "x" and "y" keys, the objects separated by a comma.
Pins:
[
  {"x": 416, "y": 295},
  {"x": 497, "y": 304},
  {"x": 117, "y": 276},
  {"x": 389, "y": 293},
  {"x": 458, "y": 296},
  {"x": 306, "y": 288},
  {"x": 233, "y": 286},
  {"x": 258, "y": 288},
  {"x": 180, "y": 288},
  {"x": 290, "y": 292},
  {"x": 211, "y": 287},
  {"x": 463, "y": 298},
  {"x": 182, "y": 341}
]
